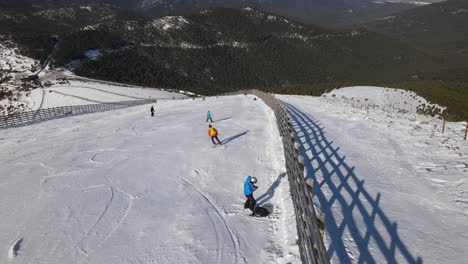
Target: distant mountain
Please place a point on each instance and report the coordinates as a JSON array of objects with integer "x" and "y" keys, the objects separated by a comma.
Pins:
[
  {"x": 413, "y": 2},
  {"x": 334, "y": 13},
  {"x": 52, "y": 16},
  {"x": 440, "y": 29},
  {"x": 218, "y": 50},
  {"x": 322, "y": 12}
]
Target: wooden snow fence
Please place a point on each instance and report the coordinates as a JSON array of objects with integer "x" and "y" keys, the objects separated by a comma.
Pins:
[
  {"x": 31, "y": 117},
  {"x": 309, "y": 226}
]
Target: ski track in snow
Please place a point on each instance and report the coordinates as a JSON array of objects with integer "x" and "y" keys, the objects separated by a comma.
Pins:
[
  {"x": 219, "y": 248},
  {"x": 234, "y": 239},
  {"x": 77, "y": 97},
  {"x": 106, "y": 187},
  {"x": 106, "y": 92},
  {"x": 42, "y": 101},
  {"x": 15, "y": 248},
  {"x": 79, "y": 93},
  {"x": 114, "y": 213}
]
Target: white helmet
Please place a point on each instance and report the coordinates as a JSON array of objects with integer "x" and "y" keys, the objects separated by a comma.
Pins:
[{"x": 253, "y": 180}]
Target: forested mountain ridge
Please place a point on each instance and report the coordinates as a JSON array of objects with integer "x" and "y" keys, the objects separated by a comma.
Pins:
[
  {"x": 25, "y": 16},
  {"x": 321, "y": 12},
  {"x": 440, "y": 28},
  {"x": 220, "y": 50}
]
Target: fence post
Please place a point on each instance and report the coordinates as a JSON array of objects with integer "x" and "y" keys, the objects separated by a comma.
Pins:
[
  {"x": 46, "y": 113},
  {"x": 309, "y": 224},
  {"x": 466, "y": 130},
  {"x": 443, "y": 125},
  {"x": 20, "y": 119}
]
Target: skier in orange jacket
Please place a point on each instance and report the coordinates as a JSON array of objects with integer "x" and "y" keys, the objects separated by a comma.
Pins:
[{"x": 213, "y": 133}]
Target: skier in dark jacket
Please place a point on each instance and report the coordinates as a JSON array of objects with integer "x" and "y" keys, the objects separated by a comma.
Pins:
[
  {"x": 152, "y": 111},
  {"x": 249, "y": 189}
]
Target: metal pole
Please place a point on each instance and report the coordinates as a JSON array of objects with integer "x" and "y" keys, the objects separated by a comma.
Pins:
[
  {"x": 466, "y": 130},
  {"x": 443, "y": 126}
]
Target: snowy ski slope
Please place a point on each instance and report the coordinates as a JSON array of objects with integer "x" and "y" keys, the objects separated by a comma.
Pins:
[
  {"x": 393, "y": 188},
  {"x": 81, "y": 93},
  {"x": 122, "y": 187}
]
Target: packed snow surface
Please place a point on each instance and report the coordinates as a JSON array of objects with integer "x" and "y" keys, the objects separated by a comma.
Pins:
[
  {"x": 123, "y": 187},
  {"x": 81, "y": 92},
  {"x": 388, "y": 99},
  {"x": 393, "y": 188}
]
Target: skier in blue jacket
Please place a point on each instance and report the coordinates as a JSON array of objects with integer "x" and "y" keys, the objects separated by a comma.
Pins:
[
  {"x": 249, "y": 189},
  {"x": 209, "y": 117}
]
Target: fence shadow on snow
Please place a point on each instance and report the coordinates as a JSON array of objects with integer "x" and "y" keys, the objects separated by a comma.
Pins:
[
  {"x": 262, "y": 199},
  {"x": 309, "y": 239},
  {"x": 337, "y": 186}
]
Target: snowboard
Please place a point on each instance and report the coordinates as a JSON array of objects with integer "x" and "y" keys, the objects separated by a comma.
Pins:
[{"x": 245, "y": 213}]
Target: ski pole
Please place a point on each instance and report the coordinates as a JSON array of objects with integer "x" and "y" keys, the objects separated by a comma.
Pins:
[{"x": 253, "y": 172}]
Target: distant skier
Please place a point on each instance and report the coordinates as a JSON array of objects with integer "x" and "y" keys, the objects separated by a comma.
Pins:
[
  {"x": 152, "y": 110},
  {"x": 249, "y": 189},
  {"x": 213, "y": 133},
  {"x": 208, "y": 117}
]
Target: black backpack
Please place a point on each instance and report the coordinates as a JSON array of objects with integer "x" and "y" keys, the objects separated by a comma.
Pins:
[{"x": 261, "y": 212}]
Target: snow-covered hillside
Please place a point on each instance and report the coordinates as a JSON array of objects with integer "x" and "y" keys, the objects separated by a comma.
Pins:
[
  {"x": 393, "y": 188},
  {"x": 13, "y": 67},
  {"x": 11, "y": 60},
  {"x": 386, "y": 99},
  {"x": 76, "y": 92},
  {"x": 81, "y": 92},
  {"x": 123, "y": 187}
]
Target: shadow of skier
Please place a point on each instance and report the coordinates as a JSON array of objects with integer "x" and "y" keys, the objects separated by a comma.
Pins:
[
  {"x": 222, "y": 119},
  {"x": 227, "y": 140},
  {"x": 262, "y": 199}
]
